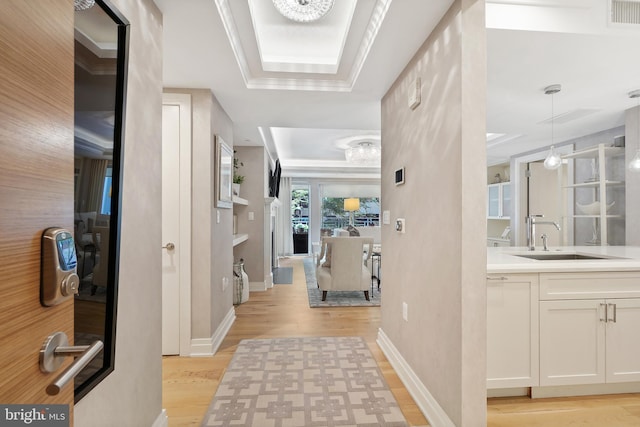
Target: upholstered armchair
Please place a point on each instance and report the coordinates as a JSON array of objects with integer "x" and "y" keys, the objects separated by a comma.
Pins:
[{"x": 342, "y": 265}]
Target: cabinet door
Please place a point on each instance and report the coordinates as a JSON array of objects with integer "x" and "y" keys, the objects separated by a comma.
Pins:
[
  {"x": 623, "y": 345},
  {"x": 505, "y": 199},
  {"x": 572, "y": 342},
  {"x": 493, "y": 201},
  {"x": 512, "y": 331}
]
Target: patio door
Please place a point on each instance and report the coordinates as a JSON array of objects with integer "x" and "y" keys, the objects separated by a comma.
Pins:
[{"x": 300, "y": 218}]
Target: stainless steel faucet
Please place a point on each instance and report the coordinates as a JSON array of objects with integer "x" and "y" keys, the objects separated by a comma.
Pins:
[
  {"x": 544, "y": 238},
  {"x": 532, "y": 221}
]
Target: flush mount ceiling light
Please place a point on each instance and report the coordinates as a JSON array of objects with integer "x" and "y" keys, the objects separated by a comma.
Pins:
[
  {"x": 634, "y": 164},
  {"x": 302, "y": 10},
  {"x": 365, "y": 153},
  {"x": 83, "y": 4},
  {"x": 553, "y": 160}
]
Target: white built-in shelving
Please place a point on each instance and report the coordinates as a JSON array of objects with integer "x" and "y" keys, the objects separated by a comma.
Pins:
[
  {"x": 240, "y": 238},
  {"x": 600, "y": 184}
]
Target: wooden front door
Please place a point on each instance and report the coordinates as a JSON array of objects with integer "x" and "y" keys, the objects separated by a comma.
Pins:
[{"x": 36, "y": 185}]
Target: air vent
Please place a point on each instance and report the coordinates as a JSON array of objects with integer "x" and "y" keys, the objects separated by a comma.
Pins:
[{"x": 625, "y": 12}]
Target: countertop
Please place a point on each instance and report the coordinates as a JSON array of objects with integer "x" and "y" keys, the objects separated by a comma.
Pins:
[{"x": 619, "y": 258}]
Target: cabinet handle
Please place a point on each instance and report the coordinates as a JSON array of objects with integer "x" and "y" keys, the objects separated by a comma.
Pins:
[
  {"x": 615, "y": 313},
  {"x": 605, "y": 318},
  {"x": 497, "y": 278}
]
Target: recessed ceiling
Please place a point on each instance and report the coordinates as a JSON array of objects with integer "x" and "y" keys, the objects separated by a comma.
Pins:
[
  {"x": 531, "y": 44},
  {"x": 298, "y": 47}
]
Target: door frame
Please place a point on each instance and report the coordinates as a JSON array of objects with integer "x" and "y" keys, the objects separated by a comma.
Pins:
[
  {"x": 183, "y": 101},
  {"x": 518, "y": 189}
]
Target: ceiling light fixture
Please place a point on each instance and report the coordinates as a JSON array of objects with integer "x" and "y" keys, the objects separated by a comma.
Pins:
[
  {"x": 365, "y": 153},
  {"x": 83, "y": 4},
  {"x": 553, "y": 160},
  {"x": 303, "y": 10},
  {"x": 634, "y": 164}
]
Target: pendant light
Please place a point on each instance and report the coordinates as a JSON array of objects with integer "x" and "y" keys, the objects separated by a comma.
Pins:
[
  {"x": 553, "y": 160},
  {"x": 634, "y": 164}
]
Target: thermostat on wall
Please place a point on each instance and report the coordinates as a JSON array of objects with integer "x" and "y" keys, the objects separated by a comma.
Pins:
[{"x": 399, "y": 179}]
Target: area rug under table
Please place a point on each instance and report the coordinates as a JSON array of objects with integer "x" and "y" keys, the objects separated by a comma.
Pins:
[
  {"x": 322, "y": 381},
  {"x": 337, "y": 298}
]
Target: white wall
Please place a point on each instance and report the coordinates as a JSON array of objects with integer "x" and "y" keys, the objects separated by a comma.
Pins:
[{"x": 132, "y": 394}]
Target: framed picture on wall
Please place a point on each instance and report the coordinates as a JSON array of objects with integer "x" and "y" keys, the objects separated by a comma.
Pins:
[{"x": 223, "y": 173}]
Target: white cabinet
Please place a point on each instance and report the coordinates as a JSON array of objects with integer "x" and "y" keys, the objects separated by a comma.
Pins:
[
  {"x": 622, "y": 343},
  {"x": 499, "y": 200},
  {"x": 589, "y": 325},
  {"x": 572, "y": 342},
  {"x": 512, "y": 330}
]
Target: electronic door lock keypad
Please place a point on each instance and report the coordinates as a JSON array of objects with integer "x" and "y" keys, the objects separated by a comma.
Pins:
[{"x": 58, "y": 278}]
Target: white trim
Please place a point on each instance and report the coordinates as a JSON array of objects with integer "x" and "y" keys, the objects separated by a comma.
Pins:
[
  {"x": 339, "y": 85},
  {"x": 206, "y": 347},
  {"x": 183, "y": 101},
  {"x": 584, "y": 390},
  {"x": 162, "y": 420},
  {"x": 429, "y": 406},
  {"x": 257, "y": 286},
  {"x": 517, "y": 183}
]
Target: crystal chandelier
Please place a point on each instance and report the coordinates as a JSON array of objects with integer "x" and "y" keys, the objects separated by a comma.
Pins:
[
  {"x": 303, "y": 10},
  {"x": 83, "y": 4},
  {"x": 365, "y": 153}
]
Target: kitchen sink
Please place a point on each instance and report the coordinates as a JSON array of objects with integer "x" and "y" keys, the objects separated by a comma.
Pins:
[{"x": 561, "y": 256}]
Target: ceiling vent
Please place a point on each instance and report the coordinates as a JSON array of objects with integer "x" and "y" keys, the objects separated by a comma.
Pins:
[{"x": 625, "y": 12}]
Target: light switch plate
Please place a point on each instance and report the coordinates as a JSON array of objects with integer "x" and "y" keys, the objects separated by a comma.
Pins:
[
  {"x": 386, "y": 217},
  {"x": 251, "y": 216},
  {"x": 414, "y": 93}
]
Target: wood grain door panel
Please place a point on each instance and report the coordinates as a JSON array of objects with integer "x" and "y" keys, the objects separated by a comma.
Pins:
[{"x": 36, "y": 184}]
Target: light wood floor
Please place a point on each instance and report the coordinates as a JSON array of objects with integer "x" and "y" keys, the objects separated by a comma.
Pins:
[{"x": 190, "y": 383}]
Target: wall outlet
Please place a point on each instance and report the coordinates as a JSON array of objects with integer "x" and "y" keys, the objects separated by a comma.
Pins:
[
  {"x": 405, "y": 311},
  {"x": 225, "y": 283}
]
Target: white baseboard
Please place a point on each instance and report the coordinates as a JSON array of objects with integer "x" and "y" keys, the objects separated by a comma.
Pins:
[
  {"x": 508, "y": 392},
  {"x": 162, "y": 420},
  {"x": 205, "y": 347},
  {"x": 429, "y": 406},
  {"x": 257, "y": 286},
  {"x": 584, "y": 390}
]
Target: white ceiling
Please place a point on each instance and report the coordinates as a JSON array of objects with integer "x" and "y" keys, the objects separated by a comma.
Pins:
[{"x": 306, "y": 102}]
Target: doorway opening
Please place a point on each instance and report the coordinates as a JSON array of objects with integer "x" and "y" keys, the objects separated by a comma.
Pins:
[{"x": 300, "y": 218}]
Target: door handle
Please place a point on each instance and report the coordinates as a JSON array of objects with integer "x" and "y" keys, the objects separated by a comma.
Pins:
[
  {"x": 54, "y": 349},
  {"x": 169, "y": 246},
  {"x": 606, "y": 317}
]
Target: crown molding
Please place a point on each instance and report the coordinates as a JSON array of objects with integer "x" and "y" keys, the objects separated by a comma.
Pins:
[{"x": 308, "y": 84}]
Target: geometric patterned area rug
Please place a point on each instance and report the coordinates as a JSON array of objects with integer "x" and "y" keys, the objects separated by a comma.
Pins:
[
  {"x": 311, "y": 381},
  {"x": 336, "y": 298}
]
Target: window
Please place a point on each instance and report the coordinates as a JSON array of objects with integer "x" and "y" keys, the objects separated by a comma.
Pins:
[
  {"x": 106, "y": 193},
  {"x": 334, "y": 215}
]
